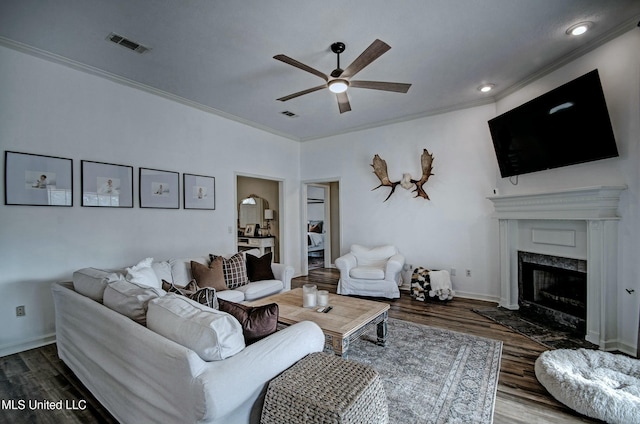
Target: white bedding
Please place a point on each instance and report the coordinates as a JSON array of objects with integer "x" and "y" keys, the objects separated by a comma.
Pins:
[{"x": 316, "y": 240}]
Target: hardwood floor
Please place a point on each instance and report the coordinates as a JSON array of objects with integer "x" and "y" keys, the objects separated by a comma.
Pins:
[
  {"x": 38, "y": 373},
  {"x": 520, "y": 398}
]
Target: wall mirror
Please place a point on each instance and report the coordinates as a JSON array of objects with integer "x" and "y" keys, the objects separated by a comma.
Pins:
[{"x": 251, "y": 211}]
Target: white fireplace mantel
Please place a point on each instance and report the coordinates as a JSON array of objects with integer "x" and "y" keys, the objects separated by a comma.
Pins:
[{"x": 597, "y": 207}]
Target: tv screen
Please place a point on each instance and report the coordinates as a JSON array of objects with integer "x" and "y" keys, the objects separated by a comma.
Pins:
[{"x": 565, "y": 126}]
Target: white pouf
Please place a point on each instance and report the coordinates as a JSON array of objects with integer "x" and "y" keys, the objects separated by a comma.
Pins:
[{"x": 597, "y": 384}]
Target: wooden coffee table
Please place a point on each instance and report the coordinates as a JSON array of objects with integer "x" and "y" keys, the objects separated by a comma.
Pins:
[{"x": 349, "y": 318}]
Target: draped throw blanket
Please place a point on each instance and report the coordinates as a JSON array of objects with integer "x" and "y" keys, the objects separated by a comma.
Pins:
[{"x": 434, "y": 284}]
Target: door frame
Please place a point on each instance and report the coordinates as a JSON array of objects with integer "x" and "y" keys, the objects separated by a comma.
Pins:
[{"x": 328, "y": 224}]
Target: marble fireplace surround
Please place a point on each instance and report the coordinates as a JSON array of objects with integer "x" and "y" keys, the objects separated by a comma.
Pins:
[{"x": 579, "y": 223}]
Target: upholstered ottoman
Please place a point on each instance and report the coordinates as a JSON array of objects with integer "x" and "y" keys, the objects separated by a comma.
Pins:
[{"x": 325, "y": 388}]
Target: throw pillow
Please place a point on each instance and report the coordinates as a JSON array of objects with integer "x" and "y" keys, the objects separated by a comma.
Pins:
[
  {"x": 205, "y": 296},
  {"x": 212, "y": 334},
  {"x": 234, "y": 269},
  {"x": 209, "y": 276},
  {"x": 315, "y": 226},
  {"x": 257, "y": 321},
  {"x": 259, "y": 269},
  {"x": 142, "y": 273},
  {"x": 187, "y": 290}
]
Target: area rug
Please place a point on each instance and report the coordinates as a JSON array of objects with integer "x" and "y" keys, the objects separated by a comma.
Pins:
[
  {"x": 431, "y": 375},
  {"x": 545, "y": 332}
]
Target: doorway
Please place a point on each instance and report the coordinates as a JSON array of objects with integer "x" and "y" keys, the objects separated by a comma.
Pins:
[
  {"x": 268, "y": 224},
  {"x": 322, "y": 224}
]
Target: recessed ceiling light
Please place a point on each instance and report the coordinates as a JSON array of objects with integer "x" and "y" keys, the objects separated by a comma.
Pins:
[
  {"x": 579, "y": 29},
  {"x": 485, "y": 88}
]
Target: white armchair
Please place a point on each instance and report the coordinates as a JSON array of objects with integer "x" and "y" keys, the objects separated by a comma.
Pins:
[{"x": 371, "y": 272}]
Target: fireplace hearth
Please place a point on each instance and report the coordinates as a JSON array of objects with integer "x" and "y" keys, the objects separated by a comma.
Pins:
[{"x": 553, "y": 288}]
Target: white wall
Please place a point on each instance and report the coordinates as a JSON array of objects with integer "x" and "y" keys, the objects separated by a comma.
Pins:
[
  {"x": 454, "y": 228},
  {"x": 50, "y": 109},
  {"x": 619, "y": 66}
]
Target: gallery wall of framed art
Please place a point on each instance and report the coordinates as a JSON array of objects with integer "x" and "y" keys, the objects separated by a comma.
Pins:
[{"x": 39, "y": 180}]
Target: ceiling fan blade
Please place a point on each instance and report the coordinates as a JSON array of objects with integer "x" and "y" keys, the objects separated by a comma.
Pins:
[
  {"x": 398, "y": 87},
  {"x": 300, "y": 65},
  {"x": 343, "y": 102},
  {"x": 371, "y": 53},
  {"x": 300, "y": 93}
]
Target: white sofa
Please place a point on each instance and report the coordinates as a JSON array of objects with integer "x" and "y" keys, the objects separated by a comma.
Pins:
[
  {"x": 374, "y": 272},
  {"x": 140, "y": 376},
  {"x": 178, "y": 272}
]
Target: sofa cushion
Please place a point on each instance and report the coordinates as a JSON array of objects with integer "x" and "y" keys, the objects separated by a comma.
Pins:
[
  {"x": 375, "y": 256},
  {"x": 91, "y": 282},
  {"x": 257, "y": 321},
  {"x": 181, "y": 269},
  {"x": 235, "y": 270},
  {"x": 367, "y": 272},
  {"x": 212, "y": 334},
  {"x": 259, "y": 289},
  {"x": 260, "y": 268},
  {"x": 209, "y": 276},
  {"x": 130, "y": 299},
  {"x": 231, "y": 295},
  {"x": 162, "y": 270},
  {"x": 143, "y": 274}
]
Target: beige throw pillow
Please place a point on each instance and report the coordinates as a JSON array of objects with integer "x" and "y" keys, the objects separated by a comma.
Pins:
[{"x": 209, "y": 276}]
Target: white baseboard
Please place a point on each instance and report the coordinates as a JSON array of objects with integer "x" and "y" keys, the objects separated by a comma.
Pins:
[
  {"x": 477, "y": 296},
  {"x": 621, "y": 347},
  {"x": 22, "y": 345}
]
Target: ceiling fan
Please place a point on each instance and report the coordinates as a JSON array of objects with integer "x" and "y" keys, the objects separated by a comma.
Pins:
[{"x": 339, "y": 80}]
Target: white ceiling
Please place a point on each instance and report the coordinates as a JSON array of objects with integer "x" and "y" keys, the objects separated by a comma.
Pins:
[{"x": 218, "y": 55}]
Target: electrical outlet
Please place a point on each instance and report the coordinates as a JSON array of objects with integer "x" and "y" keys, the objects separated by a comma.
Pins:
[
  {"x": 453, "y": 272},
  {"x": 468, "y": 273},
  {"x": 20, "y": 311}
]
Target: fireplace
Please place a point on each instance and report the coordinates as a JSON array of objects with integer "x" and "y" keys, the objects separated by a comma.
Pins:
[
  {"x": 575, "y": 223},
  {"x": 553, "y": 288}
]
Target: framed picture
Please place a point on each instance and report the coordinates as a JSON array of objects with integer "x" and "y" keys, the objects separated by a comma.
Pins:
[
  {"x": 249, "y": 230},
  {"x": 159, "y": 189},
  {"x": 199, "y": 191},
  {"x": 106, "y": 185},
  {"x": 37, "y": 180}
]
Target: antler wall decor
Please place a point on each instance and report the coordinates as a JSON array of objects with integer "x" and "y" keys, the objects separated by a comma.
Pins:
[{"x": 380, "y": 169}]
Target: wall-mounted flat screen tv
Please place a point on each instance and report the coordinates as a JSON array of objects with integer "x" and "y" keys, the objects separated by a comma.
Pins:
[{"x": 566, "y": 126}]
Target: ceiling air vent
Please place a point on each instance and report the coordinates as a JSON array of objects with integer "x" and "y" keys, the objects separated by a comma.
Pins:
[
  {"x": 289, "y": 114},
  {"x": 124, "y": 42}
]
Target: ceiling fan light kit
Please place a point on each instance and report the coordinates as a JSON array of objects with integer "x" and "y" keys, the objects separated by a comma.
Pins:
[
  {"x": 338, "y": 86},
  {"x": 340, "y": 79}
]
